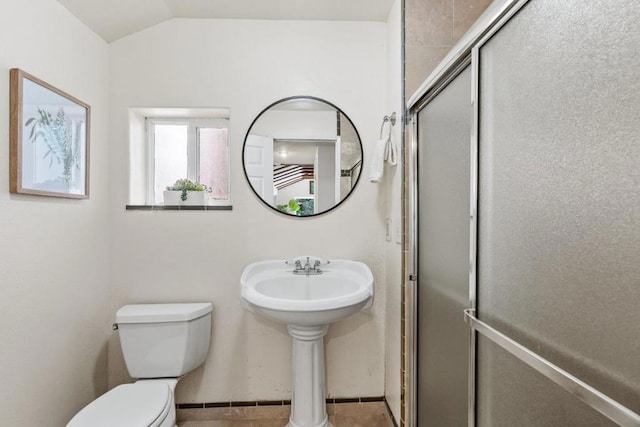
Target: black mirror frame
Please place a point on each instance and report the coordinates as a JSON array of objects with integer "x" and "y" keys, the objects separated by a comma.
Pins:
[{"x": 244, "y": 144}]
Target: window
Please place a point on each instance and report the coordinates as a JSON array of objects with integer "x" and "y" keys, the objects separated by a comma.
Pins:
[{"x": 195, "y": 149}]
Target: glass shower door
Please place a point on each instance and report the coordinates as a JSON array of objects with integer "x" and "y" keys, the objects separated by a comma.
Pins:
[
  {"x": 558, "y": 264},
  {"x": 443, "y": 180}
]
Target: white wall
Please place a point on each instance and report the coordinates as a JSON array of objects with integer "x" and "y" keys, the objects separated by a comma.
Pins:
[
  {"x": 392, "y": 190},
  {"x": 284, "y": 124},
  {"x": 54, "y": 253},
  {"x": 199, "y": 256}
]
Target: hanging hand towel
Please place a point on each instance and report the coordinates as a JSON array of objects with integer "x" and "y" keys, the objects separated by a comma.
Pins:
[
  {"x": 377, "y": 162},
  {"x": 391, "y": 152}
]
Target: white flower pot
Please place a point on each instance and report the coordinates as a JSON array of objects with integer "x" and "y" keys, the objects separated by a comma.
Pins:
[{"x": 194, "y": 198}]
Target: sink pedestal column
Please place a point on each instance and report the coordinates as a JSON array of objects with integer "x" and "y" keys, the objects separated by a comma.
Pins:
[{"x": 308, "y": 398}]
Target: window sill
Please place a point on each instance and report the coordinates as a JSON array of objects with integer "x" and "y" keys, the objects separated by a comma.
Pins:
[{"x": 178, "y": 208}]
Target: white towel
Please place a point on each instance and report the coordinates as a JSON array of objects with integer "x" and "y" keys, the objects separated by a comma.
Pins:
[
  {"x": 384, "y": 150},
  {"x": 377, "y": 162},
  {"x": 391, "y": 152}
]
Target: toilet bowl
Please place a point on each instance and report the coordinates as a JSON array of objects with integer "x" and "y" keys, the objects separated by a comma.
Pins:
[
  {"x": 144, "y": 403},
  {"x": 160, "y": 343}
]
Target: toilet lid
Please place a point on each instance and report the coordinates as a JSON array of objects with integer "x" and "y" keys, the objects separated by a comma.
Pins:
[{"x": 129, "y": 405}]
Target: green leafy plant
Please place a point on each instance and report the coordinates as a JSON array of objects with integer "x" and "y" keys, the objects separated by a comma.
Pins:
[
  {"x": 185, "y": 185},
  {"x": 290, "y": 208},
  {"x": 294, "y": 206},
  {"x": 55, "y": 132}
]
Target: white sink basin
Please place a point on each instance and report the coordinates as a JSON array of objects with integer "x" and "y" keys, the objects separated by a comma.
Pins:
[{"x": 271, "y": 289}]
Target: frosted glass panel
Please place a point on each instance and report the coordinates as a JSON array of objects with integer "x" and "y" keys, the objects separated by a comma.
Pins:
[
  {"x": 213, "y": 161},
  {"x": 559, "y": 206},
  {"x": 170, "y": 157},
  {"x": 444, "y": 135},
  {"x": 513, "y": 394}
]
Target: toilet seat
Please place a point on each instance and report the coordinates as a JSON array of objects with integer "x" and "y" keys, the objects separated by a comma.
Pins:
[{"x": 142, "y": 404}]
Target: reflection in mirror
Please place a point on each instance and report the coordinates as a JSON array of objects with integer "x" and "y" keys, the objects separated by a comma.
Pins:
[{"x": 302, "y": 156}]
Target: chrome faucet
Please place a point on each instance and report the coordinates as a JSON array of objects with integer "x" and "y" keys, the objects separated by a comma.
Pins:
[{"x": 307, "y": 269}]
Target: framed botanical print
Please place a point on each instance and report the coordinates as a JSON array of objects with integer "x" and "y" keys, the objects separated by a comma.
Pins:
[{"x": 49, "y": 139}]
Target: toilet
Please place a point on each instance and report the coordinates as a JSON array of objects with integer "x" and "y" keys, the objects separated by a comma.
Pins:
[{"x": 160, "y": 343}]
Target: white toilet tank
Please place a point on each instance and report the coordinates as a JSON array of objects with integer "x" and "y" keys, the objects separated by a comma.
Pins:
[{"x": 164, "y": 340}]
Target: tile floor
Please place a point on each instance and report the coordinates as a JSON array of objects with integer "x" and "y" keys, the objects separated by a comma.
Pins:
[{"x": 370, "y": 414}]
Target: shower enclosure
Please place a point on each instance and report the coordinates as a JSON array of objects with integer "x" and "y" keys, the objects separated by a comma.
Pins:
[{"x": 525, "y": 204}]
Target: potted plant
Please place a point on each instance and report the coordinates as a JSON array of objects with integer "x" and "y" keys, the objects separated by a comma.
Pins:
[{"x": 186, "y": 192}]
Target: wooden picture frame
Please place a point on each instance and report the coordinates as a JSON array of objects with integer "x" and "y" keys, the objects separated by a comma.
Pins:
[{"x": 48, "y": 139}]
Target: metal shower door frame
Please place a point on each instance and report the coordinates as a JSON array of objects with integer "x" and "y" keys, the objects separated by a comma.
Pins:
[
  {"x": 488, "y": 25},
  {"x": 473, "y": 41},
  {"x": 455, "y": 62}
]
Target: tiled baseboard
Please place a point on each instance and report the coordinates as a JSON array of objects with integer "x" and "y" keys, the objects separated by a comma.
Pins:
[
  {"x": 374, "y": 411},
  {"x": 237, "y": 404}
]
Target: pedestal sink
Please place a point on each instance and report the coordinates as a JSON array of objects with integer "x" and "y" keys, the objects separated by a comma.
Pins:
[{"x": 307, "y": 295}]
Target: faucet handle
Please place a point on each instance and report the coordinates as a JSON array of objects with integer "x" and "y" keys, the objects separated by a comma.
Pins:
[{"x": 296, "y": 263}]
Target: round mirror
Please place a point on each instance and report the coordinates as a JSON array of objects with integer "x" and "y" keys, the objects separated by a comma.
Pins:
[{"x": 302, "y": 156}]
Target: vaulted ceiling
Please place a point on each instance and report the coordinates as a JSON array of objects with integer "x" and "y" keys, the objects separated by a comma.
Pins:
[{"x": 113, "y": 19}]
